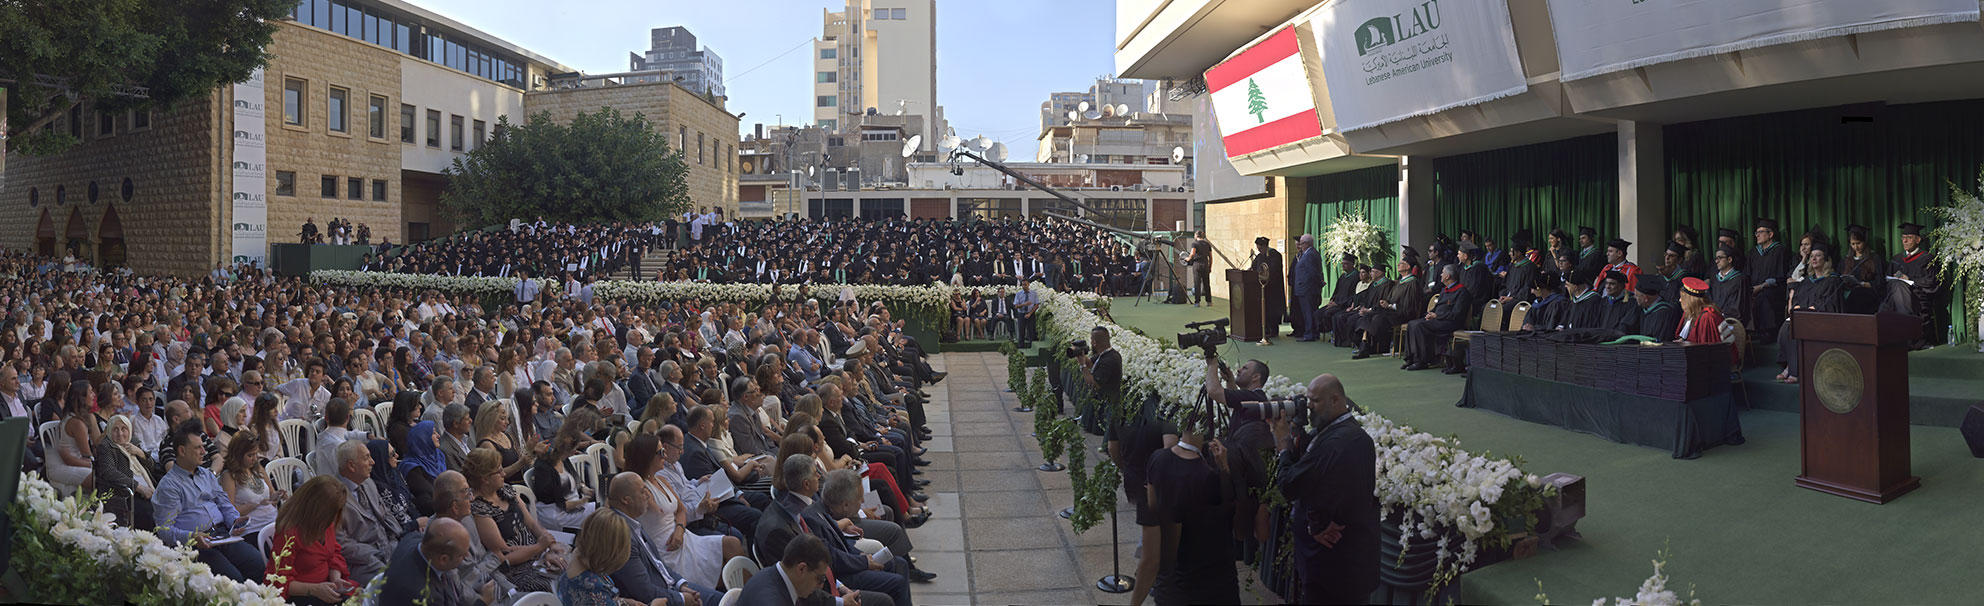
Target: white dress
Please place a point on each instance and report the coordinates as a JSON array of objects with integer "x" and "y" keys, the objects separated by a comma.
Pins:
[
  {"x": 255, "y": 491},
  {"x": 701, "y": 557},
  {"x": 61, "y": 472}
]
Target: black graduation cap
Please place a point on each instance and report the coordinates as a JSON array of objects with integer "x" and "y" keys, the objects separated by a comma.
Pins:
[
  {"x": 1579, "y": 276},
  {"x": 1410, "y": 254},
  {"x": 1728, "y": 233},
  {"x": 1548, "y": 279},
  {"x": 1620, "y": 244},
  {"x": 1677, "y": 248},
  {"x": 1770, "y": 224},
  {"x": 1857, "y": 229},
  {"x": 1651, "y": 284},
  {"x": 1467, "y": 234},
  {"x": 1729, "y": 251},
  {"x": 1261, "y": 241},
  {"x": 1364, "y": 267},
  {"x": 1822, "y": 247},
  {"x": 1688, "y": 230},
  {"x": 1522, "y": 239},
  {"x": 1471, "y": 249},
  {"x": 1911, "y": 229},
  {"x": 1585, "y": 230},
  {"x": 1350, "y": 257},
  {"x": 1613, "y": 274}
]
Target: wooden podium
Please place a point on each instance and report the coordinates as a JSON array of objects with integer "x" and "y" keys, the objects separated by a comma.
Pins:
[
  {"x": 1853, "y": 382},
  {"x": 1243, "y": 300}
]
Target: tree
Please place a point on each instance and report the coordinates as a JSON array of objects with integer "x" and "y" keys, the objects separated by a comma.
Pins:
[
  {"x": 601, "y": 167},
  {"x": 1256, "y": 103},
  {"x": 120, "y": 54}
]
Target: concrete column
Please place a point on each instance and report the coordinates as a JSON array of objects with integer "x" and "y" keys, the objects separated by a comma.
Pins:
[
  {"x": 1643, "y": 191},
  {"x": 1026, "y": 207},
  {"x": 1417, "y": 220},
  {"x": 954, "y": 206}
]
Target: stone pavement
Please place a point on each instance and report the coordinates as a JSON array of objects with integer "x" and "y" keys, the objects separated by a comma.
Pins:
[{"x": 997, "y": 536}]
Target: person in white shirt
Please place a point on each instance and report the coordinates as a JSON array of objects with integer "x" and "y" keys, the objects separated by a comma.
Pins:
[
  {"x": 337, "y": 429},
  {"x": 147, "y": 426},
  {"x": 305, "y": 397}
]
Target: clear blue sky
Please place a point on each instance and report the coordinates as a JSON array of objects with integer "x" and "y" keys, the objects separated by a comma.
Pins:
[{"x": 996, "y": 60}]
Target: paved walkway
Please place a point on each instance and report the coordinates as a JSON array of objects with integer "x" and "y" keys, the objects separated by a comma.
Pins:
[{"x": 997, "y": 536}]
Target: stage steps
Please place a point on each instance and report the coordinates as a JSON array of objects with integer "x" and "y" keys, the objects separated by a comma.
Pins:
[
  {"x": 1943, "y": 382},
  {"x": 653, "y": 261}
]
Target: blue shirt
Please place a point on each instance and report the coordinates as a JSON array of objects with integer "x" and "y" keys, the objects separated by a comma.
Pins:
[
  {"x": 186, "y": 503},
  {"x": 805, "y": 360}
]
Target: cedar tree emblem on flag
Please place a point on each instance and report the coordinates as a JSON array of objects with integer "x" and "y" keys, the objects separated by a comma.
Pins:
[{"x": 1255, "y": 102}]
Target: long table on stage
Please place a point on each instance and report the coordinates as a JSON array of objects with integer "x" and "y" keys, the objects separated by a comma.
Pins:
[{"x": 1670, "y": 396}]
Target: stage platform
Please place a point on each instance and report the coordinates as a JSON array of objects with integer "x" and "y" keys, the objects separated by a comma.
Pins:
[
  {"x": 1734, "y": 525},
  {"x": 1942, "y": 383}
]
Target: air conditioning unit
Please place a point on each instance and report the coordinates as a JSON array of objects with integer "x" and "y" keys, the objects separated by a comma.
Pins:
[{"x": 1115, "y": 188}]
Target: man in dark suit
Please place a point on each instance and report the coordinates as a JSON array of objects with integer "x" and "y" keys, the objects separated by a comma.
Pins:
[
  {"x": 1267, "y": 267},
  {"x": 1305, "y": 285},
  {"x": 786, "y": 518},
  {"x": 797, "y": 578},
  {"x": 1423, "y": 336},
  {"x": 419, "y": 563},
  {"x": 645, "y": 577},
  {"x": 1330, "y": 477},
  {"x": 640, "y": 386}
]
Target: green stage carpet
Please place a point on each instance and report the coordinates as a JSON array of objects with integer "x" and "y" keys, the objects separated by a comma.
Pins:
[{"x": 1735, "y": 526}]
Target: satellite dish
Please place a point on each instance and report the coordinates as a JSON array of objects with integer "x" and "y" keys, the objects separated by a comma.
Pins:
[
  {"x": 1108, "y": 111},
  {"x": 809, "y": 171},
  {"x": 909, "y": 145},
  {"x": 949, "y": 142},
  {"x": 1083, "y": 107},
  {"x": 980, "y": 143},
  {"x": 997, "y": 153},
  {"x": 1122, "y": 109},
  {"x": 1093, "y": 115},
  {"x": 1074, "y": 115},
  {"x": 1177, "y": 155}
]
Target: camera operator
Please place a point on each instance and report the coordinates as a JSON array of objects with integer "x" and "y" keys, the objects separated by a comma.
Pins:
[
  {"x": 1248, "y": 437},
  {"x": 1331, "y": 476},
  {"x": 1229, "y": 389},
  {"x": 1102, "y": 369}
]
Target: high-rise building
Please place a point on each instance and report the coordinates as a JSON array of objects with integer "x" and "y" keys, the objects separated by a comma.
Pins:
[
  {"x": 673, "y": 50},
  {"x": 878, "y": 56},
  {"x": 1132, "y": 95}
]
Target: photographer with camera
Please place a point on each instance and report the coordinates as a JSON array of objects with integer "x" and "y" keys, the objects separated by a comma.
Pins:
[
  {"x": 1102, "y": 370},
  {"x": 1330, "y": 475}
]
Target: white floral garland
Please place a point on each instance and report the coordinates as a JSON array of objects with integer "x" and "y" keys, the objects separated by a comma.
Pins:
[{"x": 128, "y": 552}]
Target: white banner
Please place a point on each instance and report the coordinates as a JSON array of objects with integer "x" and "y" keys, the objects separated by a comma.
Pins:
[
  {"x": 1596, "y": 37},
  {"x": 1388, "y": 60},
  {"x": 250, "y": 189}
]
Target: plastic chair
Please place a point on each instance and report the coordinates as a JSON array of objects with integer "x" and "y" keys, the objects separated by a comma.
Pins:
[
  {"x": 523, "y": 492},
  {"x": 283, "y": 472},
  {"x": 730, "y": 597},
  {"x": 385, "y": 411},
  {"x": 298, "y": 435},
  {"x": 46, "y": 433},
  {"x": 538, "y": 598},
  {"x": 737, "y": 571},
  {"x": 363, "y": 419},
  {"x": 603, "y": 453},
  {"x": 585, "y": 469}
]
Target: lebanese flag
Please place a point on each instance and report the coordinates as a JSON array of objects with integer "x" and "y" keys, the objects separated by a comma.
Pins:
[{"x": 1261, "y": 97}]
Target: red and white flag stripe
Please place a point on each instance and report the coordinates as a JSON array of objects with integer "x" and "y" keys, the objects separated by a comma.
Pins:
[{"x": 1261, "y": 97}]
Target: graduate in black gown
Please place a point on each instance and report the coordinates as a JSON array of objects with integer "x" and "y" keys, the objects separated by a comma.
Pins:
[
  {"x": 1729, "y": 288},
  {"x": 1658, "y": 318},
  {"x": 1913, "y": 280},
  {"x": 1547, "y": 312},
  {"x": 1861, "y": 261},
  {"x": 1675, "y": 267},
  {"x": 1342, "y": 297},
  {"x": 1474, "y": 276},
  {"x": 1822, "y": 290},
  {"x": 1519, "y": 280},
  {"x": 1769, "y": 264},
  {"x": 1587, "y": 309},
  {"x": 1591, "y": 258},
  {"x": 1398, "y": 302},
  {"x": 1618, "y": 309},
  {"x": 1267, "y": 267},
  {"x": 1424, "y": 335}
]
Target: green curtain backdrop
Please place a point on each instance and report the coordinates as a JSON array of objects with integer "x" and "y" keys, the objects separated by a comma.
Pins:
[
  {"x": 1372, "y": 192},
  {"x": 1554, "y": 185},
  {"x": 1826, "y": 168}
]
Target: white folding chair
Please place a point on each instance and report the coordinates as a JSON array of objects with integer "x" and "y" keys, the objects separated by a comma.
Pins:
[
  {"x": 737, "y": 571},
  {"x": 537, "y": 598},
  {"x": 283, "y": 472},
  {"x": 603, "y": 453},
  {"x": 298, "y": 436},
  {"x": 385, "y": 411},
  {"x": 587, "y": 469},
  {"x": 363, "y": 419},
  {"x": 730, "y": 597},
  {"x": 46, "y": 433},
  {"x": 524, "y": 492}
]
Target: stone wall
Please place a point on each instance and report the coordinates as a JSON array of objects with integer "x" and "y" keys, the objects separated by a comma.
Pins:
[
  {"x": 322, "y": 60},
  {"x": 674, "y": 111},
  {"x": 170, "y": 221},
  {"x": 1232, "y": 227}
]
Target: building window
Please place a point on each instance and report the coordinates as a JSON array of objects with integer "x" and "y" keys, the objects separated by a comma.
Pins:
[
  {"x": 292, "y": 101},
  {"x": 899, "y": 14},
  {"x": 829, "y": 53},
  {"x": 454, "y": 132},
  {"x": 354, "y": 188},
  {"x": 481, "y": 131},
  {"x": 434, "y": 128},
  {"x": 335, "y": 112},
  {"x": 406, "y": 123},
  {"x": 682, "y": 139},
  {"x": 285, "y": 183},
  {"x": 829, "y": 124},
  {"x": 330, "y": 187},
  {"x": 375, "y": 112},
  {"x": 881, "y": 14},
  {"x": 378, "y": 190},
  {"x": 824, "y": 77},
  {"x": 827, "y": 101},
  {"x": 106, "y": 123},
  {"x": 699, "y": 149},
  {"x": 141, "y": 119}
]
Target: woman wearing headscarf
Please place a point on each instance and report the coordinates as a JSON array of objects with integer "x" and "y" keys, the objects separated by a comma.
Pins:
[
  {"x": 392, "y": 486},
  {"x": 125, "y": 471},
  {"x": 423, "y": 462}
]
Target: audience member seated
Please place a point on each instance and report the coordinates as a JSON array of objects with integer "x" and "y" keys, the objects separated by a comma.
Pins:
[
  {"x": 247, "y": 484},
  {"x": 646, "y": 576},
  {"x": 422, "y": 464},
  {"x": 422, "y": 565},
  {"x": 562, "y": 502},
  {"x": 305, "y": 560},
  {"x": 124, "y": 473},
  {"x": 506, "y": 527},
  {"x": 699, "y": 558},
  {"x": 194, "y": 509}
]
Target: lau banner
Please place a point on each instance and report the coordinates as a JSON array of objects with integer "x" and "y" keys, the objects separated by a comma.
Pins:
[
  {"x": 250, "y": 190},
  {"x": 1388, "y": 60},
  {"x": 1600, "y": 37}
]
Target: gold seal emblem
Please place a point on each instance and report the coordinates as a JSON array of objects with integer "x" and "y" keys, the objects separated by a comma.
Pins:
[{"x": 1837, "y": 380}]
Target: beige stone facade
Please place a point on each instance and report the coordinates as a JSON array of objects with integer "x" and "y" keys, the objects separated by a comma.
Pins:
[
  {"x": 1232, "y": 227},
  {"x": 703, "y": 130},
  {"x": 312, "y": 152}
]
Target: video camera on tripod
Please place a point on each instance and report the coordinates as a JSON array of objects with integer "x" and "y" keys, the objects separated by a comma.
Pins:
[{"x": 1207, "y": 335}]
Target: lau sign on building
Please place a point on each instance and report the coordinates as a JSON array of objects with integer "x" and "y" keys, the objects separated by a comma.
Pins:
[
  {"x": 1596, "y": 38},
  {"x": 1388, "y": 60},
  {"x": 1261, "y": 96}
]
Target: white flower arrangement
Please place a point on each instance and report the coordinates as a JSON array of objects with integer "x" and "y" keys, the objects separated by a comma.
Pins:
[
  {"x": 1352, "y": 234},
  {"x": 136, "y": 556},
  {"x": 1653, "y": 592},
  {"x": 1958, "y": 245}
]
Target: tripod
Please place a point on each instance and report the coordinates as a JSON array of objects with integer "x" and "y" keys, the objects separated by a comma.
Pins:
[{"x": 1173, "y": 290}]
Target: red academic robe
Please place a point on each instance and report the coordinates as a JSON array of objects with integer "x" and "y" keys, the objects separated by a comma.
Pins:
[
  {"x": 1708, "y": 329},
  {"x": 1632, "y": 276}
]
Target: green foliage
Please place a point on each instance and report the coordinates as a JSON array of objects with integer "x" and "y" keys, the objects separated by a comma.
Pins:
[
  {"x": 58, "y": 54},
  {"x": 1015, "y": 367},
  {"x": 1095, "y": 494},
  {"x": 1059, "y": 436},
  {"x": 1038, "y": 394},
  {"x": 600, "y": 168}
]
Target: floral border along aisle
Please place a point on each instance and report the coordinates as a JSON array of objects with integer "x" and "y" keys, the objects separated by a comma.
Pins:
[{"x": 66, "y": 550}]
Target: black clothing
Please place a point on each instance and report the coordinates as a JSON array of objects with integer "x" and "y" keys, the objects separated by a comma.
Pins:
[
  {"x": 1586, "y": 311},
  {"x": 1196, "y": 559},
  {"x": 1660, "y": 321},
  {"x": 1267, "y": 267},
  {"x": 1731, "y": 294},
  {"x": 1768, "y": 266},
  {"x": 1332, "y": 479}
]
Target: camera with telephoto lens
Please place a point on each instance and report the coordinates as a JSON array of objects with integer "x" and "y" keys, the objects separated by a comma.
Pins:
[
  {"x": 1296, "y": 407},
  {"x": 1207, "y": 335},
  {"x": 1077, "y": 348}
]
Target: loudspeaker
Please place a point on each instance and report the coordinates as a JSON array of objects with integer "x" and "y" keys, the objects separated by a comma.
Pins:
[{"x": 1973, "y": 430}]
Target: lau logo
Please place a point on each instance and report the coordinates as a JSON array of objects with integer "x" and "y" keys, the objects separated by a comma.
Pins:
[
  {"x": 247, "y": 105},
  {"x": 247, "y": 227},
  {"x": 241, "y": 259},
  {"x": 1386, "y": 31},
  {"x": 248, "y": 166},
  {"x": 242, "y": 195},
  {"x": 248, "y": 136}
]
